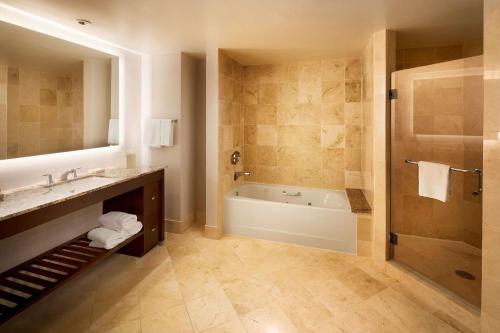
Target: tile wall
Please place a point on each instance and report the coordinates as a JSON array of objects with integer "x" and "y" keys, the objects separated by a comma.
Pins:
[
  {"x": 422, "y": 56},
  {"x": 230, "y": 127},
  {"x": 302, "y": 123},
  {"x": 364, "y": 234},
  {"x": 3, "y": 111},
  {"x": 490, "y": 306},
  {"x": 44, "y": 112},
  {"x": 367, "y": 122},
  {"x": 231, "y": 120},
  {"x": 384, "y": 63}
]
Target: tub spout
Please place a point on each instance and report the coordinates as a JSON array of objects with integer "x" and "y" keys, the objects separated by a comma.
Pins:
[{"x": 238, "y": 174}]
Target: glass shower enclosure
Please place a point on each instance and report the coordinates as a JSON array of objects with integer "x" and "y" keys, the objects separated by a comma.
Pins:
[{"x": 437, "y": 116}]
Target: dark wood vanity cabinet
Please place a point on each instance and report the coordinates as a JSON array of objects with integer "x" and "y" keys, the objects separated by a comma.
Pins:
[
  {"x": 152, "y": 207},
  {"x": 141, "y": 195},
  {"x": 147, "y": 203},
  {"x": 129, "y": 195}
]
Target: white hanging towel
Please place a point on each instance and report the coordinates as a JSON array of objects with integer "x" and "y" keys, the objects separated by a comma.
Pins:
[
  {"x": 167, "y": 132},
  {"x": 158, "y": 133},
  {"x": 433, "y": 180},
  {"x": 152, "y": 133},
  {"x": 113, "y": 132}
]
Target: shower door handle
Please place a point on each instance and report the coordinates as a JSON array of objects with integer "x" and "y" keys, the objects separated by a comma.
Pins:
[{"x": 479, "y": 174}]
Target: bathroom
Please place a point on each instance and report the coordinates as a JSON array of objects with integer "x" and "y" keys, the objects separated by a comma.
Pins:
[{"x": 272, "y": 161}]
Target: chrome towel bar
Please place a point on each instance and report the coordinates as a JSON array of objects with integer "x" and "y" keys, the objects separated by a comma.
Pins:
[{"x": 477, "y": 172}]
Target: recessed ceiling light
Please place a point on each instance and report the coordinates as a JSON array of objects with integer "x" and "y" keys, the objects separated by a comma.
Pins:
[{"x": 83, "y": 22}]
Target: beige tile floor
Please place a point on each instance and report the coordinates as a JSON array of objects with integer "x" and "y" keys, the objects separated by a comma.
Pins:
[{"x": 193, "y": 284}]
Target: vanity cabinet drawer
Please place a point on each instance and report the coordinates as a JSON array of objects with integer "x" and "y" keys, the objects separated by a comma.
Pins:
[
  {"x": 151, "y": 230},
  {"x": 152, "y": 216},
  {"x": 152, "y": 198}
]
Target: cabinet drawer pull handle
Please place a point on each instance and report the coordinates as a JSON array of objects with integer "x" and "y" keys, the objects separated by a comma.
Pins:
[
  {"x": 154, "y": 229},
  {"x": 153, "y": 198}
]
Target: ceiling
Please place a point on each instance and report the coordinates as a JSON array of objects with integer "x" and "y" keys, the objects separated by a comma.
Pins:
[
  {"x": 260, "y": 30},
  {"x": 23, "y": 47}
]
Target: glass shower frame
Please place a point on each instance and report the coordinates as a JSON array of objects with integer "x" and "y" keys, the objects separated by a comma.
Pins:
[{"x": 437, "y": 116}]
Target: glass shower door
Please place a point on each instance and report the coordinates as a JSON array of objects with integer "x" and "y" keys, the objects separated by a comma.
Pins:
[{"x": 437, "y": 116}]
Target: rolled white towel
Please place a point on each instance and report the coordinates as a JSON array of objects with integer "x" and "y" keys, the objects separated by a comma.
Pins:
[
  {"x": 132, "y": 230},
  {"x": 105, "y": 238},
  {"x": 119, "y": 221}
]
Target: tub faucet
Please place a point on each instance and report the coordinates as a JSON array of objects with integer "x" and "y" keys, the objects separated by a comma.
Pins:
[{"x": 238, "y": 174}]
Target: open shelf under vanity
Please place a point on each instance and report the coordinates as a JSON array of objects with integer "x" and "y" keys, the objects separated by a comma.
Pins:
[
  {"x": 23, "y": 285},
  {"x": 34, "y": 279}
]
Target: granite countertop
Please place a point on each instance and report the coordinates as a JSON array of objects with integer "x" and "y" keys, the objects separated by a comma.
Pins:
[
  {"x": 358, "y": 202},
  {"x": 27, "y": 199}
]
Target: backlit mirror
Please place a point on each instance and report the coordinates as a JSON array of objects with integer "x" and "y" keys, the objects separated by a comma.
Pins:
[{"x": 55, "y": 95}]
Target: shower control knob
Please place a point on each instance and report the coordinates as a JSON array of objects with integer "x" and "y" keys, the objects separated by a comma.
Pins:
[{"x": 235, "y": 157}]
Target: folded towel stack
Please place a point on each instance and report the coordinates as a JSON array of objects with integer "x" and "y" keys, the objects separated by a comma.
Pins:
[
  {"x": 115, "y": 228},
  {"x": 121, "y": 222},
  {"x": 105, "y": 238}
]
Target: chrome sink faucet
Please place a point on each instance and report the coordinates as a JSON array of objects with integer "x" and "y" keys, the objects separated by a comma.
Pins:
[
  {"x": 65, "y": 175},
  {"x": 50, "y": 180},
  {"x": 238, "y": 174}
]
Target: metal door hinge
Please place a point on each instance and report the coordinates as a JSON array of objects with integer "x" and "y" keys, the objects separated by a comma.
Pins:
[
  {"x": 393, "y": 238},
  {"x": 393, "y": 94}
]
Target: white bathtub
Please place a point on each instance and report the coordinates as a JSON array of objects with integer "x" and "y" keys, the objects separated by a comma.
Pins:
[{"x": 317, "y": 217}]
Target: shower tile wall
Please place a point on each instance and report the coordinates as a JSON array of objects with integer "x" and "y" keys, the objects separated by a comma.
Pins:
[
  {"x": 3, "y": 111},
  {"x": 438, "y": 118},
  {"x": 367, "y": 122},
  {"x": 491, "y": 227},
  {"x": 302, "y": 123},
  {"x": 230, "y": 131},
  {"x": 422, "y": 56},
  {"x": 230, "y": 127},
  {"x": 44, "y": 112}
]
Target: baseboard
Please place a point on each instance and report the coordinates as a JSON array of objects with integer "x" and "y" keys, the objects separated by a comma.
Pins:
[
  {"x": 178, "y": 226},
  {"x": 213, "y": 232}
]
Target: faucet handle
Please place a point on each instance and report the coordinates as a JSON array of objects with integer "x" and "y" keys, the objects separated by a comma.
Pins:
[{"x": 50, "y": 179}]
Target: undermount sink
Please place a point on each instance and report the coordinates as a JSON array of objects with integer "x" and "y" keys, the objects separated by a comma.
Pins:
[
  {"x": 79, "y": 185},
  {"x": 31, "y": 198},
  {"x": 24, "y": 200}
]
